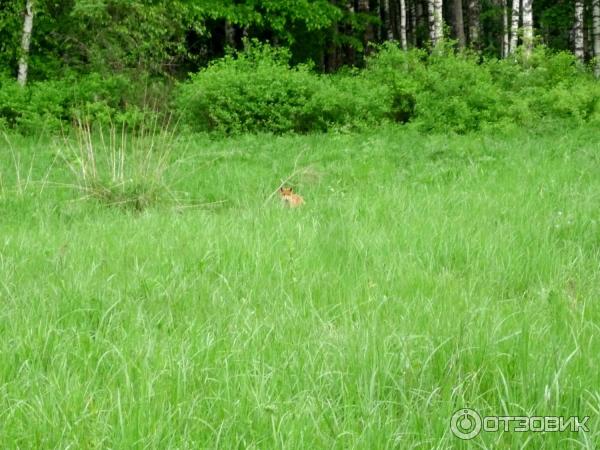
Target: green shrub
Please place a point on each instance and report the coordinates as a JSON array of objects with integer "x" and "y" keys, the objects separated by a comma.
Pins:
[
  {"x": 446, "y": 91},
  {"x": 256, "y": 90},
  {"x": 253, "y": 91},
  {"x": 400, "y": 76},
  {"x": 13, "y": 101},
  {"x": 52, "y": 105}
]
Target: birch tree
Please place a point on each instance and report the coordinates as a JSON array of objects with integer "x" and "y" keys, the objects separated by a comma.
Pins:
[
  {"x": 431, "y": 20},
  {"x": 459, "y": 26},
  {"x": 436, "y": 21},
  {"x": 25, "y": 43},
  {"x": 403, "y": 24},
  {"x": 439, "y": 20},
  {"x": 514, "y": 27},
  {"x": 505, "y": 31},
  {"x": 578, "y": 31},
  {"x": 527, "y": 27},
  {"x": 596, "y": 27}
]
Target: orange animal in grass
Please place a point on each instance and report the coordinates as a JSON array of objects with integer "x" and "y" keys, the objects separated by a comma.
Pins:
[{"x": 289, "y": 198}]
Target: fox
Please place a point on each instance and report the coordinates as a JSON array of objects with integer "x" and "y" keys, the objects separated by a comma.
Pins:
[{"x": 289, "y": 198}]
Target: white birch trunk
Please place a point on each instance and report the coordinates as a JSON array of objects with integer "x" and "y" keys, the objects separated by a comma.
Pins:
[
  {"x": 596, "y": 27},
  {"x": 431, "y": 20},
  {"x": 578, "y": 31},
  {"x": 25, "y": 43},
  {"x": 438, "y": 22},
  {"x": 514, "y": 26},
  {"x": 527, "y": 27},
  {"x": 403, "y": 24},
  {"x": 505, "y": 37}
]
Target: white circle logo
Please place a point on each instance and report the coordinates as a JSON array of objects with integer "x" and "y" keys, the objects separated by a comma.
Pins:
[{"x": 465, "y": 424}]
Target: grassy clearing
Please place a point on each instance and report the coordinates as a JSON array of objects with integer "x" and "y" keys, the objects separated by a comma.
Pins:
[{"x": 424, "y": 274}]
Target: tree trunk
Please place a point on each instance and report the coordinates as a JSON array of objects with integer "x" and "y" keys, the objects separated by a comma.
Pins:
[
  {"x": 514, "y": 27},
  {"x": 413, "y": 22},
  {"x": 393, "y": 5},
  {"x": 578, "y": 31},
  {"x": 363, "y": 7},
  {"x": 379, "y": 31},
  {"x": 420, "y": 20},
  {"x": 474, "y": 25},
  {"x": 387, "y": 21},
  {"x": 229, "y": 34},
  {"x": 459, "y": 26},
  {"x": 439, "y": 24},
  {"x": 527, "y": 27},
  {"x": 596, "y": 26},
  {"x": 349, "y": 54},
  {"x": 505, "y": 41},
  {"x": 436, "y": 21},
  {"x": 403, "y": 24},
  {"x": 25, "y": 43},
  {"x": 588, "y": 44},
  {"x": 332, "y": 51},
  {"x": 431, "y": 20}
]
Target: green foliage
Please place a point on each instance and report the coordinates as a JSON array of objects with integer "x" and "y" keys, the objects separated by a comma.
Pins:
[
  {"x": 457, "y": 94},
  {"x": 159, "y": 37},
  {"x": 548, "y": 85},
  {"x": 125, "y": 34},
  {"x": 103, "y": 36},
  {"x": 454, "y": 92},
  {"x": 54, "y": 104},
  {"x": 256, "y": 90},
  {"x": 172, "y": 37},
  {"x": 253, "y": 91}
]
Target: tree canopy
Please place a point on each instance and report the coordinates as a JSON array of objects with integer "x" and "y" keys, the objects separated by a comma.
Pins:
[{"x": 172, "y": 38}]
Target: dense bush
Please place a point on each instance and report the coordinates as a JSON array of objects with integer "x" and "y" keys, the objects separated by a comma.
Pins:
[
  {"x": 50, "y": 105},
  {"x": 455, "y": 92},
  {"x": 444, "y": 91},
  {"x": 258, "y": 91}
]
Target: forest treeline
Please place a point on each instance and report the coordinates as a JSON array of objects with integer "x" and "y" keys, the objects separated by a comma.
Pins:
[
  {"x": 281, "y": 65},
  {"x": 176, "y": 37}
]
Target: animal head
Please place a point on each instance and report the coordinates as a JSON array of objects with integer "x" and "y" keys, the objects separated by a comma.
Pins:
[{"x": 286, "y": 191}]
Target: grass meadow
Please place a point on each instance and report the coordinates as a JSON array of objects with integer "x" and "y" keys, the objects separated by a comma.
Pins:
[{"x": 424, "y": 274}]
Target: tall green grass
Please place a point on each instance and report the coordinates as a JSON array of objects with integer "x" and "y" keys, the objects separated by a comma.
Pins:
[{"x": 423, "y": 275}]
